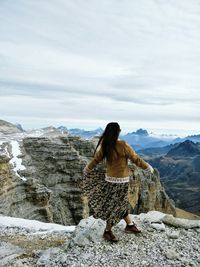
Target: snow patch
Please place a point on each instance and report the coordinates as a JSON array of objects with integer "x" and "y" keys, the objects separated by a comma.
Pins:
[
  {"x": 33, "y": 225},
  {"x": 16, "y": 161}
]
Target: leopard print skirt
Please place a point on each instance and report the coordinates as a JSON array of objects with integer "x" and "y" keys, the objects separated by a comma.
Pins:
[{"x": 106, "y": 200}]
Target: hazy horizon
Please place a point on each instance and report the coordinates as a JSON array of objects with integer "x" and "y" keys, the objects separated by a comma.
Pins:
[{"x": 175, "y": 132}]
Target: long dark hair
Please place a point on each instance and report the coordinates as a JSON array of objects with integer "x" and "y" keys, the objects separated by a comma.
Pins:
[{"x": 108, "y": 139}]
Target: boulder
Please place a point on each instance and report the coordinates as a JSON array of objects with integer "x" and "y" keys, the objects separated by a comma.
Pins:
[
  {"x": 88, "y": 230},
  {"x": 179, "y": 222}
]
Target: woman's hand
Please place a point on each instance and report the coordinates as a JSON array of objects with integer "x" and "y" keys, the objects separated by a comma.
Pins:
[{"x": 86, "y": 170}]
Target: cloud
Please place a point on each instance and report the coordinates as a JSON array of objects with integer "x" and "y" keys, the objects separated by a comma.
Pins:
[{"x": 96, "y": 61}]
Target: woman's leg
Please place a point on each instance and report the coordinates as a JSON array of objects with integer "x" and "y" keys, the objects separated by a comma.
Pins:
[
  {"x": 108, "y": 234},
  {"x": 127, "y": 218},
  {"x": 108, "y": 226},
  {"x": 130, "y": 227}
]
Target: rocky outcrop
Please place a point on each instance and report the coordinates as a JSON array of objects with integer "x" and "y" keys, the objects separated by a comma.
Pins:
[
  {"x": 47, "y": 187},
  {"x": 146, "y": 193},
  {"x": 49, "y": 191}
]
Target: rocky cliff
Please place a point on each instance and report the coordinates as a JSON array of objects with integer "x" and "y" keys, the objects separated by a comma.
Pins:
[
  {"x": 180, "y": 175},
  {"x": 39, "y": 179}
]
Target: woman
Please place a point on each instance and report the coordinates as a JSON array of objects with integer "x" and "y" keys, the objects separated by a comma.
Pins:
[{"x": 109, "y": 197}]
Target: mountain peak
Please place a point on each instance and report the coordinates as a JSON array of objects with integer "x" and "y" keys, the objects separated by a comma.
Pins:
[
  {"x": 186, "y": 148},
  {"x": 142, "y": 132}
]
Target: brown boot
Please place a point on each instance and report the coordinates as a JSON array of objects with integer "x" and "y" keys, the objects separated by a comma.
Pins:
[
  {"x": 132, "y": 229},
  {"x": 109, "y": 236}
]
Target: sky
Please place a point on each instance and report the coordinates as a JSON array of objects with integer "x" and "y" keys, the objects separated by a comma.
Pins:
[{"x": 82, "y": 64}]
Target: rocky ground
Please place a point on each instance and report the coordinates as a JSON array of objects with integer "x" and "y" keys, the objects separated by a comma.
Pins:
[{"x": 165, "y": 241}]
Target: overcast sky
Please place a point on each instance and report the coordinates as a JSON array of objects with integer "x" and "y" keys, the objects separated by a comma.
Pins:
[{"x": 84, "y": 63}]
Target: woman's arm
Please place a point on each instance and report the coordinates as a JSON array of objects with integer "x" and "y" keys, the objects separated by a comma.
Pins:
[
  {"x": 130, "y": 153},
  {"x": 98, "y": 157}
]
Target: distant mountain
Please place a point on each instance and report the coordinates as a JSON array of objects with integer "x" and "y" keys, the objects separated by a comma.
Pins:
[
  {"x": 9, "y": 128},
  {"x": 141, "y": 132},
  {"x": 193, "y": 138},
  {"x": 141, "y": 139},
  {"x": 156, "y": 151},
  {"x": 185, "y": 149},
  {"x": 81, "y": 132},
  {"x": 19, "y": 127}
]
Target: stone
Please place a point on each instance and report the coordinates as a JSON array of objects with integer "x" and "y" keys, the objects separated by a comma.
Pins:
[
  {"x": 146, "y": 192},
  {"x": 172, "y": 254},
  {"x": 179, "y": 222},
  {"x": 88, "y": 230},
  {"x": 173, "y": 235},
  {"x": 158, "y": 226},
  {"x": 47, "y": 256},
  {"x": 9, "y": 253},
  {"x": 152, "y": 216}
]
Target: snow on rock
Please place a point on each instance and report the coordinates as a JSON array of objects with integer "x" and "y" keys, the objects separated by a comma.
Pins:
[
  {"x": 152, "y": 216},
  {"x": 33, "y": 225},
  {"x": 16, "y": 161}
]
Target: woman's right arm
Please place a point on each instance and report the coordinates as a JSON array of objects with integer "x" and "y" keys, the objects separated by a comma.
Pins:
[
  {"x": 132, "y": 155},
  {"x": 98, "y": 157}
]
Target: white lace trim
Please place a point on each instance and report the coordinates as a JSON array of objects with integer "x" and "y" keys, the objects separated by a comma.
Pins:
[{"x": 117, "y": 180}]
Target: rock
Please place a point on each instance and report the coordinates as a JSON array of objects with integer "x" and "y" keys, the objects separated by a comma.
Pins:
[
  {"x": 9, "y": 253},
  {"x": 152, "y": 216},
  {"x": 51, "y": 193},
  {"x": 158, "y": 226},
  {"x": 172, "y": 254},
  {"x": 146, "y": 192},
  {"x": 179, "y": 222},
  {"x": 173, "y": 235},
  {"x": 88, "y": 230},
  {"x": 47, "y": 256}
]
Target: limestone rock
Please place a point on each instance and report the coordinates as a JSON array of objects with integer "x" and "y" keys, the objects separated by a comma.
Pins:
[
  {"x": 173, "y": 235},
  {"x": 46, "y": 256},
  {"x": 172, "y": 254},
  {"x": 146, "y": 192},
  {"x": 88, "y": 230},
  {"x": 158, "y": 226},
  {"x": 179, "y": 222},
  {"x": 8, "y": 253}
]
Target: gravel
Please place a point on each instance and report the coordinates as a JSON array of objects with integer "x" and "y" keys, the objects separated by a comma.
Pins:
[{"x": 171, "y": 246}]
